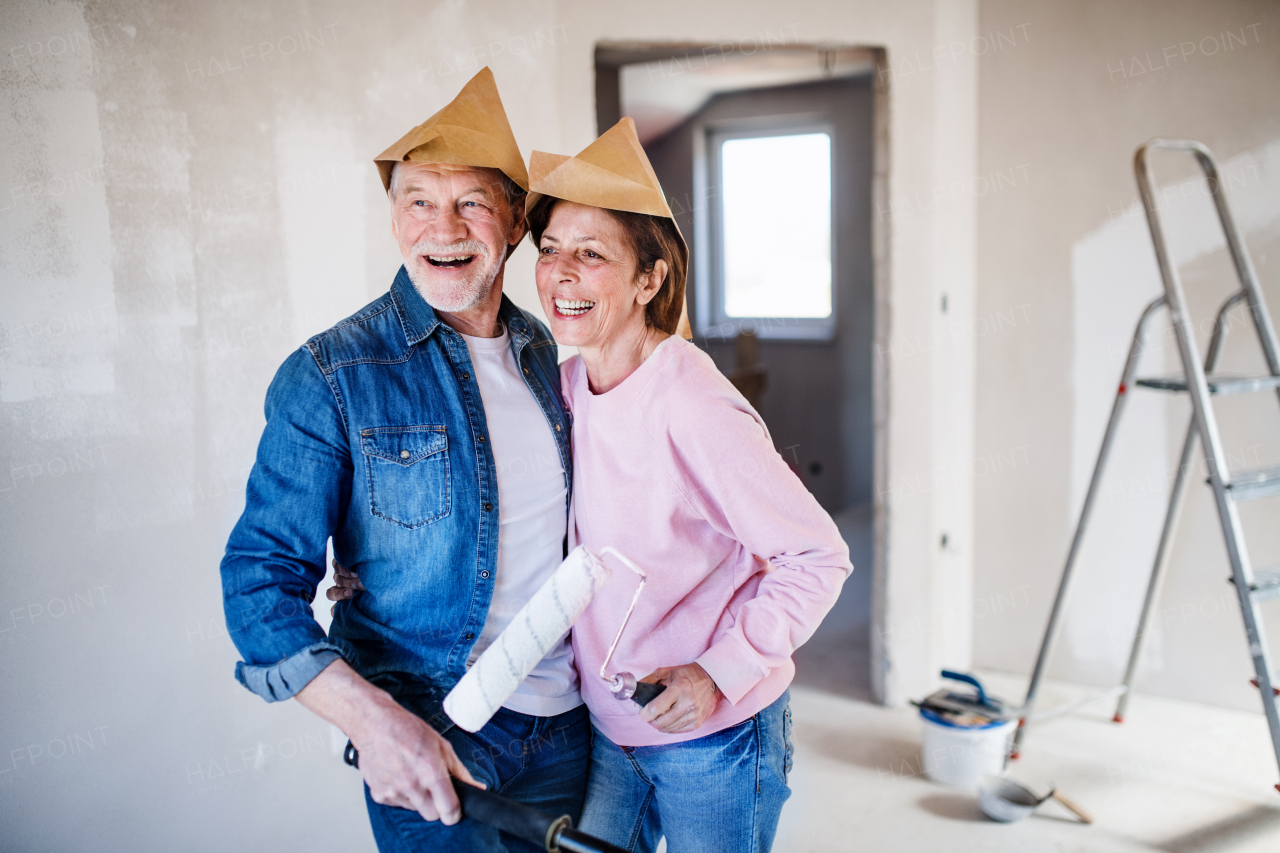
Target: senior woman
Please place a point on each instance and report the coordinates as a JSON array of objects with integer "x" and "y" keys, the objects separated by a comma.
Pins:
[{"x": 674, "y": 469}]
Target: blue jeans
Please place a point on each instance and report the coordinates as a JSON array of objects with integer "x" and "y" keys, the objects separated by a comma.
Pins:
[
  {"x": 539, "y": 761},
  {"x": 722, "y": 793}
]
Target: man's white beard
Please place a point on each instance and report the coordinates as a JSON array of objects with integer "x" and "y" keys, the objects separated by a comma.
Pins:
[{"x": 463, "y": 294}]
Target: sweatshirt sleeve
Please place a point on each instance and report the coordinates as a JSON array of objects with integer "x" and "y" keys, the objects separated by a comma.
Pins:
[{"x": 741, "y": 486}]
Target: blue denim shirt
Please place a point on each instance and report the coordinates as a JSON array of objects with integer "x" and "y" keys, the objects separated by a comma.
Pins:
[{"x": 376, "y": 436}]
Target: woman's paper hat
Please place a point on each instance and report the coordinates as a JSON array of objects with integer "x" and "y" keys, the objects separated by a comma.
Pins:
[{"x": 612, "y": 172}]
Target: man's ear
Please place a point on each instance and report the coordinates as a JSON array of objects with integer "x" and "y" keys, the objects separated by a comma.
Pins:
[
  {"x": 519, "y": 226},
  {"x": 651, "y": 283}
]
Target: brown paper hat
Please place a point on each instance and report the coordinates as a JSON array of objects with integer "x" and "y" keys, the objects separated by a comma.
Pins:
[
  {"x": 614, "y": 173},
  {"x": 471, "y": 131}
]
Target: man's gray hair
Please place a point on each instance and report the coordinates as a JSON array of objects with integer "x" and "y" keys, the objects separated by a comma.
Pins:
[{"x": 513, "y": 192}]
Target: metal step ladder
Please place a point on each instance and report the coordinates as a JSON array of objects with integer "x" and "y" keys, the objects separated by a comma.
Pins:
[{"x": 1229, "y": 487}]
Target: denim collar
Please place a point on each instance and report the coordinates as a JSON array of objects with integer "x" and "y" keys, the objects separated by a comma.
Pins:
[
  {"x": 420, "y": 321},
  {"x": 416, "y": 316}
]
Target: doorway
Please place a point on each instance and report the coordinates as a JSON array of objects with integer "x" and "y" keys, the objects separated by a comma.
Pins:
[{"x": 767, "y": 163}]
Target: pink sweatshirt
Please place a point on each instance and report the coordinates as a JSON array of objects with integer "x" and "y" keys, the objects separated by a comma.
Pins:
[{"x": 675, "y": 469}]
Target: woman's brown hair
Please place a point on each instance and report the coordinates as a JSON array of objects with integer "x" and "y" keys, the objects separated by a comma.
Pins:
[{"x": 651, "y": 238}]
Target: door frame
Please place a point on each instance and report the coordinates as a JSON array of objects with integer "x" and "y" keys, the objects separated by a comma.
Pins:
[{"x": 610, "y": 57}]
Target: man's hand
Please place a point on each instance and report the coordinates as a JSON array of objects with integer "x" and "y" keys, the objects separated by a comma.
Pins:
[
  {"x": 405, "y": 762},
  {"x": 690, "y": 698},
  {"x": 346, "y": 584}
]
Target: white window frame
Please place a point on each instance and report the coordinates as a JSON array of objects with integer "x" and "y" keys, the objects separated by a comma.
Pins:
[{"x": 712, "y": 321}]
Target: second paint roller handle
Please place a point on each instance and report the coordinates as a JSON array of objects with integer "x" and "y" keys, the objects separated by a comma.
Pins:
[{"x": 646, "y": 692}]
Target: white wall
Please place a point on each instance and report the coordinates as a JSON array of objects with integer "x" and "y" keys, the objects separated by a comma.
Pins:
[
  {"x": 187, "y": 195},
  {"x": 1065, "y": 265}
]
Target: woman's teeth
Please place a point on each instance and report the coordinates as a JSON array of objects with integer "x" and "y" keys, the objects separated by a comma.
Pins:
[{"x": 573, "y": 307}]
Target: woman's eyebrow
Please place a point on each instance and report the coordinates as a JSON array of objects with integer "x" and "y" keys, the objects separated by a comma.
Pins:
[{"x": 577, "y": 239}]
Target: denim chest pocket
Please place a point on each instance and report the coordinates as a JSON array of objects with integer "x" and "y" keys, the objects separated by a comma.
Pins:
[{"x": 409, "y": 480}]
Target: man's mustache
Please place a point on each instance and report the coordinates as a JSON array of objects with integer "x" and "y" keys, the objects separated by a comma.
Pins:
[{"x": 461, "y": 247}]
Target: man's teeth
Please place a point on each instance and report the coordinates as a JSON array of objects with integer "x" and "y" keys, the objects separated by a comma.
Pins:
[
  {"x": 573, "y": 307},
  {"x": 448, "y": 259}
]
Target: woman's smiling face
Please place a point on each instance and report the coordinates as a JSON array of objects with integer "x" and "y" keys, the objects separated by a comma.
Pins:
[{"x": 587, "y": 277}]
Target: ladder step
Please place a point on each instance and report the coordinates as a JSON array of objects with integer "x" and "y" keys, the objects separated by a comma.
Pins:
[
  {"x": 1253, "y": 484},
  {"x": 1217, "y": 384},
  {"x": 1266, "y": 584}
]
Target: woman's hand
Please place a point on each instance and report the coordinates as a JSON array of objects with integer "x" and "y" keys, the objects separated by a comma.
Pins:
[
  {"x": 690, "y": 698},
  {"x": 345, "y": 584}
]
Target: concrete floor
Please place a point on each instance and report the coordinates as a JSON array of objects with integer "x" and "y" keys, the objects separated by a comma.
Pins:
[{"x": 1176, "y": 777}]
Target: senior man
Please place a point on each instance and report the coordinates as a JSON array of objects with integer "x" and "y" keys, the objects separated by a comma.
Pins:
[{"x": 426, "y": 435}]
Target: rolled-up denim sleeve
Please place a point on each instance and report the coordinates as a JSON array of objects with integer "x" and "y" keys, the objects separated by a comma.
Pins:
[
  {"x": 298, "y": 492},
  {"x": 286, "y": 678}
]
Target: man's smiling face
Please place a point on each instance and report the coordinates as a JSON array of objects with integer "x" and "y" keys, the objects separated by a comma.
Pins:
[{"x": 453, "y": 225}]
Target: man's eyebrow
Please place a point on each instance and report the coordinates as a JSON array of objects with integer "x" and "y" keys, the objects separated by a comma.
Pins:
[{"x": 410, "y": 186}]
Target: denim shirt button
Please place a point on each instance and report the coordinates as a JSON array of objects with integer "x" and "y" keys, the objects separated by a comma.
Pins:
[
  {"x": 466, "y": 376},
  {"x": 404, "y": 454},
  {"x": 484, "y": 574},
  {"x": 557, "y": 427},
  {"x": 470, "y": 636},
  {"x": 487, "y": 506},
  {"x": 481, "y": 439}
]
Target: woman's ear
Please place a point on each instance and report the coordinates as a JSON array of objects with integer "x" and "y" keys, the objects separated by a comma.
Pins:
[{"x": 651, "y": 282}]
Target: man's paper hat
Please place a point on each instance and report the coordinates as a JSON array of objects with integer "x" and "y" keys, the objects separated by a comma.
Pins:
[
  {"x": 471, "y": 131},
  {"x": 614, "y": 173}
]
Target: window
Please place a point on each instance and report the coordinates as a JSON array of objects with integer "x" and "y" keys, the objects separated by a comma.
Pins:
[{"x": 772, "y": 232}]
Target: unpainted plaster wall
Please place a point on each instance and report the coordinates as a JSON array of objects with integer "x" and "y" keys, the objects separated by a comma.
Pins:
[
  {"x": 1065, "y": 265},
  {"x": 186, "y": 195}
]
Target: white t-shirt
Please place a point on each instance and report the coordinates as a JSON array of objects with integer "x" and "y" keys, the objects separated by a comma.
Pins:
[{"x": 532, "y": 518}]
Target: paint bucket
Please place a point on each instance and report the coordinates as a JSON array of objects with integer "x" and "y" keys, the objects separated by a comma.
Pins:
[{"x": 959, "y": 756}]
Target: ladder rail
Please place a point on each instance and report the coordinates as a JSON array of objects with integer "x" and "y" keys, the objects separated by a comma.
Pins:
[
  {"x": 1055, "y": 613},
  {"x": 1204, "y": 417},
  {"x": 1239, "y": 256},
  {"x": 1176, "y": 495}
]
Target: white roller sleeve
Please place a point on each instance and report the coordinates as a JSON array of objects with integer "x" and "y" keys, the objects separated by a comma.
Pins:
[{"x": 532, "y": 633}]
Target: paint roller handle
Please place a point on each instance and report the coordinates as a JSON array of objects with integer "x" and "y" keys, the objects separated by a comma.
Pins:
[
  {"x": 646, "y": 692},
  {"x": 508, "y": 815},
  {"x": 571, "y": 840},
  {"x": 526, "y": 822},
  {"x": 625, "y": 686}
]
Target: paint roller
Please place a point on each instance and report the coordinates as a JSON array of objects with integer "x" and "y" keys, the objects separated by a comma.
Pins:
[
  {"x": 498, "y": 671},
  {"x": 534, "y": 631}
]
